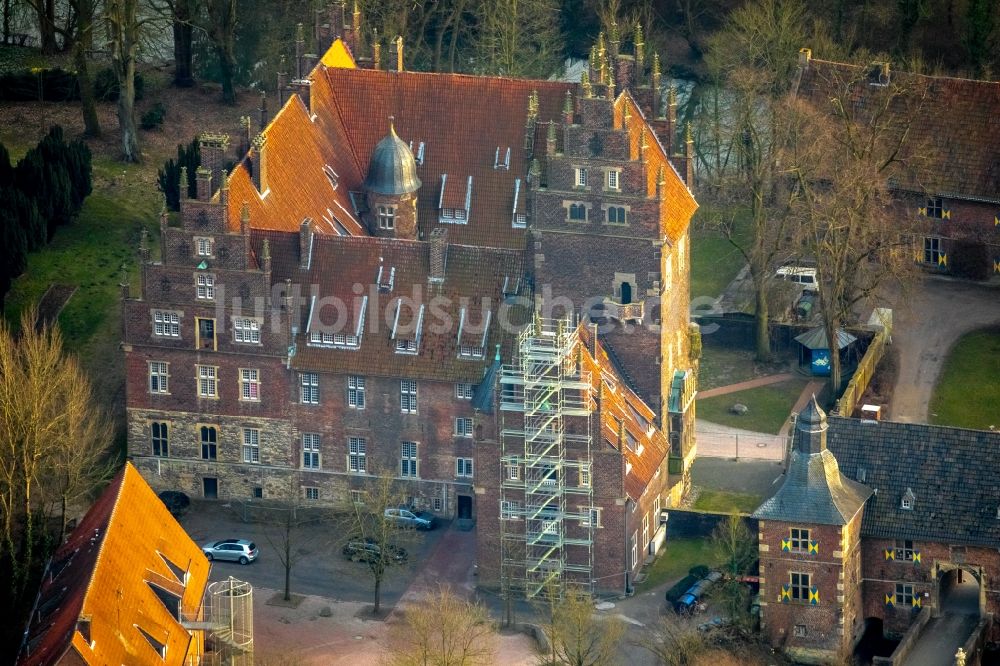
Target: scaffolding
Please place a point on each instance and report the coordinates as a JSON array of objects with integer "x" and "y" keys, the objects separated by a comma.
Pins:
[
  {"x": 230, "y": 623},
  {"x": 546, "y": 505}
]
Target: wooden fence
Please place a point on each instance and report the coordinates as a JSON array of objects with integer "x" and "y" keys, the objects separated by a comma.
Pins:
[{"x": 863, "y": 375}]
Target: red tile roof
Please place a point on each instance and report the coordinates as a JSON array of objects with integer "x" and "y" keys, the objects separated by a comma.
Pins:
[
  {"x": 105, "y": 572},
  {"x": 958, "y": 124}
]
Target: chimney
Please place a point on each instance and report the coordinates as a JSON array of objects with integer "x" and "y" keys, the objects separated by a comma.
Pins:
[
  {"x": 260, "y": 163},
  {"x": 300, "y": 49},
  {"x": 805, "y": 55},
  {"x": 245, "y": 135},
  {"x": 224, "y": 189},
  {"x": 183, "y": 184},
  {"x": 305, "y": 243},
  {"x": 439, "y": 254},
  {"x": 689, "y": 155},
  {"x": 213, "y": 149},
  {"x": 263, "y": 110},
  {"x": 144, "y": 246},
  {"x": 550, "y": 140},
  {"x": 302, "y": 88},
  {"x": 399, "y": 53},
  {"x": 282, "y": 82},
  {"x": 671, "y": 118},
  {"x": 203, "y": 177},
  {"x": 245, "y": 231},
  {"x": 377, "y": 56},
  {"x": 568, "y": 109}
]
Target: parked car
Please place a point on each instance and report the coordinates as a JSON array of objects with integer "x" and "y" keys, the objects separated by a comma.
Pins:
[
  {"x": 688, "y": 602},
  {"x": 407, "y": 517},
  {"x": 805, "y": 276},
  {"x": 366, "y": 550},
  {"x": 177, "y": 503},
  {"x": 232, "y": 550}
]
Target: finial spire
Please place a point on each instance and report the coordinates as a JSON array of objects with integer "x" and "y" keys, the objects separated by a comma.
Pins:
[{"x": 585, "y": 84}]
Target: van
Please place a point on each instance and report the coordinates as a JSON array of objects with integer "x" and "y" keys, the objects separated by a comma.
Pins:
[{"x": 805, "y": 276}]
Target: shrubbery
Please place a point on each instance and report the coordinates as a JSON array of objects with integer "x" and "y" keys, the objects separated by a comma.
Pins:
[
  {"x": 169, "y": 177},
  {"x": 153, "y": 119},
  {"x": 60, "y": 85},
  {"x": 44, "y": 190}
]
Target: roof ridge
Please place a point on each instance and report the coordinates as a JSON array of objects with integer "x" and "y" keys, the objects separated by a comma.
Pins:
[{"x": 107, "y": 528}]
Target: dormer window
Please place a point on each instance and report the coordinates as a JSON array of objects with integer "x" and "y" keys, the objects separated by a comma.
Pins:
[
  {"x": 340, "y": 340},
  {"x": 520, "y": 221},
  {"x": 406, "y": 346},
  {"x": 332, "y": 176},
  {"x": 407, "y": 342},
  {"x": 470, "y": 351},
  {"x": 907, "y": 501},
  {"x": 385, "y": 279},
  {"x": 418, "y": 154},
  {"x": 470, "y": 345},
  {"x": 501, "y": 160}
]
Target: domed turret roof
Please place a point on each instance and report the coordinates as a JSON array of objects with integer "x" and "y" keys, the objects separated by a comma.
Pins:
[{"x": 392, "y": 170}]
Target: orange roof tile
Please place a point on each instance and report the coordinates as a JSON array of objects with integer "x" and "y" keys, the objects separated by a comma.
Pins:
[{"x": 106, "y": 572}]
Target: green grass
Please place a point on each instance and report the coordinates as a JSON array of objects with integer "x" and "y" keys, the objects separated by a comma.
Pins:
[
  {"x": 674, "y": 561},
  {"x": 769, "y": 406},
  {"x": 714, "y": 260},
  {"x": 720, "y": 501},
  {"x": 968, "y": 390},
  {"x": 722, "y": 366}
]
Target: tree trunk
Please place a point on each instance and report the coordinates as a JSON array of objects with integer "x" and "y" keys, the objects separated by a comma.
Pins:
[
  {"x": 378, "y": 595},
  {"x": 124, "y": 32},
  {"x": 227, "y": 66},
  {"x": 762, "y": 339},
  {"x": 47, "y": 26},
  {"x": 126, "y": 116},
  {"x": 85, "y": 21},
  {"x": 183, "y": 68},
  {"x": 7, "y": 8}
]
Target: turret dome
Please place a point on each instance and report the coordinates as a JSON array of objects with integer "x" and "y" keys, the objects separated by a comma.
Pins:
[{"x": 392, "y": 170}]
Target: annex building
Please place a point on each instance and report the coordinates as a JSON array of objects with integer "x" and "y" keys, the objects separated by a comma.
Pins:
[{"x": 366, "y": 293}]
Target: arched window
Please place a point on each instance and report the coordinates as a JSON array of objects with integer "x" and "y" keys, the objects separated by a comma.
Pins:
[
  {"x": 616, "y": 215},
  {"x": 577, "y": 212}
]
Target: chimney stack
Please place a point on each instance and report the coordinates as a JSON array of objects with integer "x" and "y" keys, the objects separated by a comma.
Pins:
[
  {"x": 689, "y": 155},
  {"x": 265, "y": 258},
  {"x": 224, "y": 189},
  {"x": 305, "y": 243},
  {"x": 213, "y": 149},
  {"x": 260, "y": 163},
  {"x": 439, "y": 254},
  {"x": 300, "y": 50},
  {"x": 203, "y": 177},
  {"x": 282, "y": 82},
  {"x": 399, "y": 53},
  {"x": 568, "y": 109},
  {"x": 263, "y": 110},
  {"x": 377, "y": 56}
]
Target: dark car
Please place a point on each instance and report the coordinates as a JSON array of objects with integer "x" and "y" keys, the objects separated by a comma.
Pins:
[
  {"x": 366, "y": 550},
  {"x": 233, "y": 550},
  {"x": 177, "y": 503},
  {"x": 408, "y": 517},
  {"x": 688, "y": 601}
]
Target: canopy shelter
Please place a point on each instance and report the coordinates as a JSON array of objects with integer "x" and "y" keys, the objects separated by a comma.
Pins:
[{"x": 815, "y": 350}]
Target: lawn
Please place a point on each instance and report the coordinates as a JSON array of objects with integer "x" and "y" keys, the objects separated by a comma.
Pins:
[
  {"x": 968, "y": 390},
  {"x": 714, "y": 260},
  {"x": 769, "y": 406},
  {"x": 720, "y": 501},
  {"x": 722, "y": 366},
  {"x": 674, "y": 561}
]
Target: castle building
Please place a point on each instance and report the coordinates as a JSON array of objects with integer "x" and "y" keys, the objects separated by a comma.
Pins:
[
  {"x": 891, "y": 537},
  {"x": 349, "y": 300}
]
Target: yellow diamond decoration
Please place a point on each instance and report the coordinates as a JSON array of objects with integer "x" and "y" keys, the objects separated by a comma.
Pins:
[
  {"x": 922, "y": 211},
  {"x": 890, "y": 554},
  {"x": 786, "y": 544},
  {"x": 890, "y": 600},
  {"x": 814, "y": 547},
  {"x": 916, "y": 601},
  {"x": 916, "y": 557},
  {"x": 814, "y": 596}
]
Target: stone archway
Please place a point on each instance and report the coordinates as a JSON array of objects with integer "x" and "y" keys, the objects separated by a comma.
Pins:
[{"x": 959, "y": 588}]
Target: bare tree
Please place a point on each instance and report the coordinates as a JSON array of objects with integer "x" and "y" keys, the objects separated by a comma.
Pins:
[
  {"x": 381, "y": 534},
  {"x": 53, "y": 443},
  {"x": 737, "y": 549},
  {"x": 124, "y": 34},
  {"x": 444, "y": 630},
  {"x": 577, "y": 636},
  {"x": 221, "y": 31},
  {"x": 846, "y": 160},
  {"x": 520, "y": 38},
  {"x": 674, "y": 641}
]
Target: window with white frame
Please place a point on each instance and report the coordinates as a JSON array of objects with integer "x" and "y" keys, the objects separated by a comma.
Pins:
[
  {"x": 591, "y": 516},
  {"x": 581, "y": 176},
  {"x": 310, "y": 450},
  {"x": 158, "y": 377},
  {"x": 158, "y": 432},
  {"x": 470, "y": 351},
  {"x": 386, "y": 217},
  {"x": 463, "y": 467},
  {"x": 205, "y": 286},
  {"x": 246, "y": 331},
  {"x": 634, "y": 543},
  {"x": 208, "y": 386},
  {"x": 585, "y": 476},
  {"x": 358, "y": 497},
  {"x": 408, "y": 459},
  {"x": 309, "y": 388},
  {"x": 204, "y": 246},
  {"x": 251, "y": 445},
  {"x": 311, "y": 493},
  {"x": 408, "y": 396},
  {"x": 166, "y": 324},
  {"x": 463, "y": 426},
  {"x": 249, "y": 384},
  {"x": 438, "y": 504},
  {"x": 356, "y": 455},
  {"x": 464, "y": 391},
  {"x": 356, "y": 392},
  {"x": 645, "y": 531},
  {"x": 406, "y": 346},
  {"x": 520, "y": 221},
  {"x": 509, "y": 510}
]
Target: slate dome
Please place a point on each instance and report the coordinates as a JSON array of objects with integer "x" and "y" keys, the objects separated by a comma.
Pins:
[{"x": 392, "y": 169}]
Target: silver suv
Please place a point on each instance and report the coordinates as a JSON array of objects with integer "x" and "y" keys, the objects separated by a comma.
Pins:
[
  {"x": 233, "y": 550},
  {"x": 406, "y": 517}
]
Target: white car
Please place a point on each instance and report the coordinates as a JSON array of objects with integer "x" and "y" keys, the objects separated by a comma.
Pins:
[{"x": 805, "y": 276}]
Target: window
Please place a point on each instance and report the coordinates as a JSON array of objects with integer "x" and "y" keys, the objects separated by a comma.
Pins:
[
  {"x": 520, "y": 221},
  {"x": 904, "y": 595},
  {"x": 904, "y": 551},
  {"x": 460, "y": 214},
  {"x": 907, "y": 500},
  {"x": 581, "y": 176},
  {"x": 935, "y": 208},
  {"x": 166, "y": 324},
  {"x": 616, "y": 215},
  {"x": 309, "y": 388},
  {"x": 613, "y": 178},
  {"x": 799, "y": 584},
  {"x": 408, "y": 459},
  {"x": 592, "y": 516},
  {"x": 448, "y": 213},
  {"x": 470, "y": 351},
  {"x": 356, "y": 455},
  {"x": 577, "y": 212},
  {"x": 438, "y": 504},
  {"x": 645, "y": 531},
  {"x": 406, "y": 346},
  {"x": 207, "y": 386},
  {"x": 206, "y": 333},
  {"x": 311, "y": 493},
  {"x": 800, "y": 631},
  {"x": 463, "y": 427},
  {"x": 513, "y": 472},
  {"x": 356, "y": 392},
  {"x": 509, "y": 510},
  {"x": 464, "y": 391},
  {"x": 463, "y": 467},
  {"x": 258, "y": 492},
  {"x": 798, "y": 540},
  {"x": 249, "y": 384},
  {"x": 386, "y": 217},
  {"x": 158, "y": 376},
  {"x": 158, "y": 430},
  {"x": 634, "y": 542},
  {"x": 358, "y": 497},
  {"x": 209, "y": 443},
  {"x": 932, "y": 250},
  {"x": 205, "y": 286},
  {"x": 310, "y": 450},
  {"x": 246, "y": 331},
  {"x": 408, "y": 396},
  {"x": 585, "y": 477},
  {"x": 204, "y": 246},
  {"x": 251, "y": 445}
]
